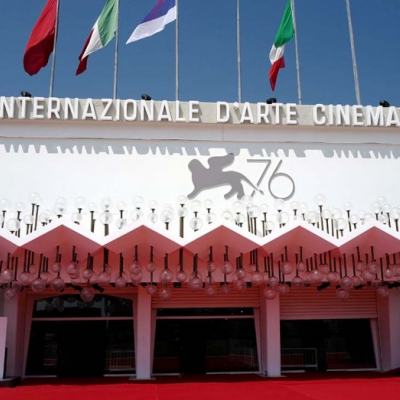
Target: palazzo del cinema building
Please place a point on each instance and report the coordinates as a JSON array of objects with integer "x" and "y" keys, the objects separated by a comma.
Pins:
[{"x": 141, "y": 238}]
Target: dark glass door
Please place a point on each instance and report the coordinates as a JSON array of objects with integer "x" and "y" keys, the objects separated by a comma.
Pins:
[
  {"x": 193, "y": 347},
  {"x": 327, "y": 344},
  {"x": 81, "y": 348},
  {"x": 197, "y": 346}
]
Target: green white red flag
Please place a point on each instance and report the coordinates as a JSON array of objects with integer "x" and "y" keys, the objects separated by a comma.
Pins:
[
  {"x": 102, "y": 33},
  {"x": 284, "y": 35}
]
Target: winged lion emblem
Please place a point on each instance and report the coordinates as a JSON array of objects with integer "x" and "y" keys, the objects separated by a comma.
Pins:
[{"x": 215, "y": 176}]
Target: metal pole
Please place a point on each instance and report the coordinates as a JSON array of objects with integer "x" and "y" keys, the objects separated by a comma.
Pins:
[
  {"x": 53, "y": 62},
  {"x": 177, "y": 52},
  {"x": 353, "y": 53},
  {"x": 239, "y": 61},
  {"x": 115, "y": 87},
  {"x": 296, "y": 44}
]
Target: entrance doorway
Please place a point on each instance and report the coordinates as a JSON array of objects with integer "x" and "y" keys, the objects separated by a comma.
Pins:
[
  {"x": 327, "y": 345},
  {"x": 72, "y": 339},
  {"x": 74, "y": 348},
  {"x": 195, "y": 344}
]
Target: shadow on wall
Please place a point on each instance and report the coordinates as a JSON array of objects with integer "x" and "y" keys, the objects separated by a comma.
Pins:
[{"x": 201, "y": 148}]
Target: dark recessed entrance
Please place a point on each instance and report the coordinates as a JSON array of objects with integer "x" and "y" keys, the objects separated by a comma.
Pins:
[
  {"x": 198, "y": 346},
  {"x": 72, "y": 339},
  {"x": 327, "y": 344},
  {"x": 68, "y": 349}
]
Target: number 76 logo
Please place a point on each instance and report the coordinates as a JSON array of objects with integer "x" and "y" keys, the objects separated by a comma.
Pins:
[{"x": 280, "y": 185}]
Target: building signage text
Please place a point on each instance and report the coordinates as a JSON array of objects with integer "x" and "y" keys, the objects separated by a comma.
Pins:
[{"x": 39, "y": 108}]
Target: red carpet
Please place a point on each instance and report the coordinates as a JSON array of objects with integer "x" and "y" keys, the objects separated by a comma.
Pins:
[{"x": 333, "y": 387}]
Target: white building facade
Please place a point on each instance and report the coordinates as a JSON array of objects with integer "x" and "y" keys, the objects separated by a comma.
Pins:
[{"x": 144, "y": 238}]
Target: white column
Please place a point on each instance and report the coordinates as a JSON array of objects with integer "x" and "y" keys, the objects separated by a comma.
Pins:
[
  {"x": 15, "y": 311},
  {"x": 375, "y": 340},
  {"x": 272, "y": 337},
  {"x": 143, "y": 323},
  {"x": 389, "y": 329},
  {"x": 3, "y": 333}
]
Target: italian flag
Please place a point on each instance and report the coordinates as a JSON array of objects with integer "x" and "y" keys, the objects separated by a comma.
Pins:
[
  {"x": 102, "y": 33},
  {"x": 284, "y": 35}
]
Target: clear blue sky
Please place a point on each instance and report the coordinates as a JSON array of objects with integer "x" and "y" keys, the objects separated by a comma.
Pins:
[{"x": 208, "y": 55}]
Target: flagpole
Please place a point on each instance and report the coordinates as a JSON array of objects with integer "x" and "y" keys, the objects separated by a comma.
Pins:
[
  {"x": 353, "y": 54},
  {"x": 115, "y": 86},
  {"x": 177, "y": 52},
  {"x": 53, "y": 62},
  {"x": 238, "y": 44},
  {"x": 296, "y": 44}
]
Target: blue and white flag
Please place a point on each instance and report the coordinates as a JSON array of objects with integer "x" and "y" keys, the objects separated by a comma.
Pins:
[{"x": 162, "y": 14}]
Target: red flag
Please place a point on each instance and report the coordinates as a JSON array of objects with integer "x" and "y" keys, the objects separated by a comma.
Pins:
[{"x": 41, "y": 42}]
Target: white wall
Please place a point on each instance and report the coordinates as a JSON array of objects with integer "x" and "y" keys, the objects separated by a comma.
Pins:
[
  {"x": 98, "y": 159},
  {"x": 92, "y": 159}
]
